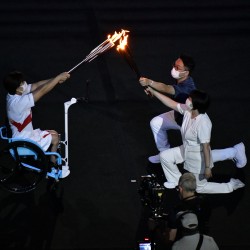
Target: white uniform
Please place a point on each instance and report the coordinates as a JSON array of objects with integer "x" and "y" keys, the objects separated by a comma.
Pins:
[
  {"x": 20, "y": 119},
  {"x": 195, "y": 132}
]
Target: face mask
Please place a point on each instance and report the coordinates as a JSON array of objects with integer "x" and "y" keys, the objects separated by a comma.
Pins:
[
  {"x": 189, "y": 104},
  {"x": 23, "y": 87},
  {"x": 176, "y": 74}
]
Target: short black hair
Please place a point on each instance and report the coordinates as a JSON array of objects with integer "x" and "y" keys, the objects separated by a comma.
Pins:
[
  {"x": 12, "y": 81},
  {"x": 188, "y": 62},
  {"x": 200, "y": 100}
]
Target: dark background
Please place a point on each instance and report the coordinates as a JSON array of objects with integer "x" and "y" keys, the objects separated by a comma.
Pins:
[{"x": 98, "y": 206}]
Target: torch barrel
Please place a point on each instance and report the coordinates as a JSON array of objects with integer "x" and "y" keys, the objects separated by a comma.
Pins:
[{"x": 127, "y": 55}]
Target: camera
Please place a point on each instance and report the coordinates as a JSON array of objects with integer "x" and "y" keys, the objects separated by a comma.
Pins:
[{"x": 152, "y": 194}]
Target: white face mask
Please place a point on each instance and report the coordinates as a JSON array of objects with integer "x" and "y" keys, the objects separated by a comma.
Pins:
[
  {"x": 189, "y": 104},
  {"x": 176, "y": 74},
  {"x": 23, "y": 88}
]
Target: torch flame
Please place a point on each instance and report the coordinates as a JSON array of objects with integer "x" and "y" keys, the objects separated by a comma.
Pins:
[
  {"x": 103, "y": 47},
  {"x": 117, "y": 36},
  {"x": 123, "y": 43}
]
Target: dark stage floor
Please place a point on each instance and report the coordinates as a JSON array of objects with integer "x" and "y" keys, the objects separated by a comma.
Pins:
[{"x": 98, "y": 205}]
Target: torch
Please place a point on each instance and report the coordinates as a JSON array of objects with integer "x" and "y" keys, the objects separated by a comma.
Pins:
[
  {"x": 100, "y": 49},
  {"x": 124, "y": 50}
]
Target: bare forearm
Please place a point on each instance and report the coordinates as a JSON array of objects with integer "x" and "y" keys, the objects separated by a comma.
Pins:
[
  {"x": 34, "y": 86},
  {"x": 207, "y": 156},
  {"x": 44, "y": 88},
  {"x": 49, "y": 85},
  {"x": 159, "y": 86},
  {"x": 162, "y": 87},
  {"x": 208, "y": 159},
  {"x": 164, "y": 99}
]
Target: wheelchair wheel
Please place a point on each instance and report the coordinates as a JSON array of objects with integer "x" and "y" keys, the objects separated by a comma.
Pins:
[{"x": 22, "y": 166}]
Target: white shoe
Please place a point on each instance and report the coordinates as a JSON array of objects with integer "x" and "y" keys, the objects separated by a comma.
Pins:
[
  {"x": 169, "y": 185},
  {"x": 64, "y": 173},
  {"x": 240, "y": 157},
  {"x": 154, "y": 158},
  {"x": 236, "y": 183},
  {"x": 65, "y": 168}
]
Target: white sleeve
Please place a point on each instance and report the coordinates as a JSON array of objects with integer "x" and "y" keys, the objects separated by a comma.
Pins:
[
  {"x": 204, "y": 130},
  {"x": 25, "y": 102}
]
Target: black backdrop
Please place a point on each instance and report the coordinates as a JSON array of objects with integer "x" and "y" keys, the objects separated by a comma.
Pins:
[{"x": 110, "y": 138}]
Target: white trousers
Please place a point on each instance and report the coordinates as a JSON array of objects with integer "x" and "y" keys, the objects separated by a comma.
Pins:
[
  {"x": 159, "y": 125},
  {"x": 173, "y": 156}
]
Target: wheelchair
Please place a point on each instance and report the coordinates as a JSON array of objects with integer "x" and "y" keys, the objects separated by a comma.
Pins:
[{"x": 24, "y": 164}]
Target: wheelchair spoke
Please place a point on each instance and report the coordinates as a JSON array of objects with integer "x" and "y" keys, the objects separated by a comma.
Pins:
[
  {"x": 31, "y": 168},
  {"x": 22, "y": 166},
  {"x": 16, "y": 155}
]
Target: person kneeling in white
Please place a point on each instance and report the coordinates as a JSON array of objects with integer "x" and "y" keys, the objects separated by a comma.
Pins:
[{"x": 195, "y": 152}]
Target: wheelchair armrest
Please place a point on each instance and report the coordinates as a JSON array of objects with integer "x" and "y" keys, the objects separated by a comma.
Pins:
[
  {"x": 24, "y": 140},
  {"x": 3, "y": 133}
]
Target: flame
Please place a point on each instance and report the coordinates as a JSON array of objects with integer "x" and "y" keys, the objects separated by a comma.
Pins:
[
  {"x": 104, "y": 46},
  {"x": 123, "y": 42},
  {"x": 117, "y": 36}
]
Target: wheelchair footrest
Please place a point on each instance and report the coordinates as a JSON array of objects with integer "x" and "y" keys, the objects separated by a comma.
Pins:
[{"x": 58, "y": 173}]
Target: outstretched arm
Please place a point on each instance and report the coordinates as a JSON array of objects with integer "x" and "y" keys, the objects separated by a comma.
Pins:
[
  {"x": 164, "y": 99},
  {"x": 35, "y": 85},
  {"x": 42, "y": 88},
  {"x": 159, "y": 86}
]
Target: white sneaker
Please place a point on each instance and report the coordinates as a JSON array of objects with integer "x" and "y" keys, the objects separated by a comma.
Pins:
[
  {"x": 236, "y": 183},
  {"x": 65, "y": 168},
  {"x": 64, "y": 173},
  {"x": 169, "y": 185},
  {"x": 154, "y": 158},
  {"x": 240, "y": 157}
]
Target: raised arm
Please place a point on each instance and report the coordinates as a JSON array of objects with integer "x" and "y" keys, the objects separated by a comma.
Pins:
[
  {"x": 35, "y": 85},
  {"x": 159, "y": 86},
  {"x": 44, "y": 87},
  {"x": 164, "y": 99}
]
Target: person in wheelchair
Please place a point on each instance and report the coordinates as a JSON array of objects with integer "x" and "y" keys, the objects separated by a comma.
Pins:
[{"x": 20, "y": 99}]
